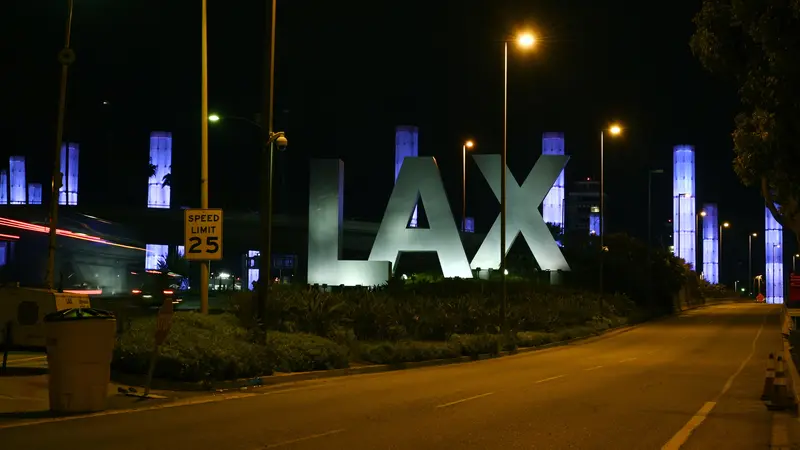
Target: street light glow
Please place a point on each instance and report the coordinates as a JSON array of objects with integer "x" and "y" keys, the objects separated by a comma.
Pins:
[
  {"x": 726, "y": 224},
  {"x": 755, "y": 234},
  {"x": 526, "y": 40},
  {"x": 213, "y": 118},
  {"x": 615, "y": 130},
  {"x": 702, "y": 213},
  {"x": 469, "y": 144}
]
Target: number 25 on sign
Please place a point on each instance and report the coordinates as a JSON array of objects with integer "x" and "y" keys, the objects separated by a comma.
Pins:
[{"x": 202, "y": 234}]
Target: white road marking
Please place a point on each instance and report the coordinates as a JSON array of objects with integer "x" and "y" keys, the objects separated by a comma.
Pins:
[
  {"x": 306, "y": 438},
  {"x": 683, "y": 434},
  {"x": 465, "y": 400},
  {"x": 593, "y": 368},
  {"x": 629, "y": 359},
  {"x": 550, "y": 379}
]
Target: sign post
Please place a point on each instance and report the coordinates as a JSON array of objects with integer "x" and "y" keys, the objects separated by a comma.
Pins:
[
  {"x": 203, "y": 242},
  {"x": 163, "y": 325}
]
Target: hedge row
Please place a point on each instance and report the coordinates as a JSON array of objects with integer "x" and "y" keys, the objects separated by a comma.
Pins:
[
  {"x": 218, "y": 347},
  {"x": 429, "y": 311}
]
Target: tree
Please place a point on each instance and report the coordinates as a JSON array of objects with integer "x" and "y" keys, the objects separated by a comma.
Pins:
[
  {"x": 166, "y": 180},
  {"x": 756, "y": 45}
]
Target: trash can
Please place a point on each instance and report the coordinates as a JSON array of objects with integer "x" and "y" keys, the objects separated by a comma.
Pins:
[{"x": 80, "y": 344}]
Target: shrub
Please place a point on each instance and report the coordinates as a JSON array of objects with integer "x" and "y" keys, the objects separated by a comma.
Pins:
[
  {"x": 198, "y": 348},
  {"x": 482, "y": 344},
  {"x": 535, "y": 338},
  {"x": 407, "y": 351},
  {"x": 301, "y": 352}
]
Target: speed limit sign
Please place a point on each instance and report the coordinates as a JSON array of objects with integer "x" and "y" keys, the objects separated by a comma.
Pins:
[{"x": 203, "y": 234}]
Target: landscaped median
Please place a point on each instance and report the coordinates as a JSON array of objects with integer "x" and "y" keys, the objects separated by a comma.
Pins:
[{"x": 364, "y": 331}]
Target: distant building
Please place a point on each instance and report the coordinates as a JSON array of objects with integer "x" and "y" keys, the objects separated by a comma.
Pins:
[{"x": 583, "y": 206}]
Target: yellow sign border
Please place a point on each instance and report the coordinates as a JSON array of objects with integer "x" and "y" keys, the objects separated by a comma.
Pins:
[{"x": 203, "y": 256}]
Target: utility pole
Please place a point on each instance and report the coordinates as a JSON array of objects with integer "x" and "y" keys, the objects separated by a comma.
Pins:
[
  {"x": 265, "y": 210},
  {"x": 66, "y": 57},
  {"x": 204, "y": 150}
]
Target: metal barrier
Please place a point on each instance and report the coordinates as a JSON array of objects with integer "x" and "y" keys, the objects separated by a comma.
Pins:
[{"x": 787, "y": 326}]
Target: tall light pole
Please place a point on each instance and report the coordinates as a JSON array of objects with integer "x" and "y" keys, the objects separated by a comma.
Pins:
[
  {"x": 750, "y": 261},
  {"x": 268, "y": 141},
  {"x": 204, "y": 148},
  {"x": 719, "y": 251},
  {"x": 468, "y": 144},
  {"x": 265, "y": 257},
  {"x": 650, "y": 206},
  {"x": 525, "y": 41},
  {"x": 650, "y": 228},
  {"x": 66, "y": 57},
  {"x": 613, "y": 130},
  {"x": 698, "y": 241},
  {"x": 794, "y": 262}
]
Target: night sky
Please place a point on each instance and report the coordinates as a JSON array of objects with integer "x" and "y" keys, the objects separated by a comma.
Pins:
[{"x": 349, "y": 72}]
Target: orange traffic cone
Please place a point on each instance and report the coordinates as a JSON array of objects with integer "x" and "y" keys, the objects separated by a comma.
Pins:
[
  {"x": 780, "y": 394},
  {"x": 769, "y": 380}
]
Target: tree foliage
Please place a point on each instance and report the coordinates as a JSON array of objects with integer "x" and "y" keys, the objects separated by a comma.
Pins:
[{"x": 756, "y": 45}]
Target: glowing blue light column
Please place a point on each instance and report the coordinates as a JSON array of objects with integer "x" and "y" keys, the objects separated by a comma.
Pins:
[
  {"x": 158, "y": 195},
  {"x": 251, "y": 274},
  {"x": 683, "y": 193},
  {"x": 773, "y": 241},
  {"x": 594, "y": 222},
  {"x": 553, "y": 204},
  {"x": 3, "y": 187},
  {"x": 34, "y": 193},
  {"x": 406, "y": 139},
  {"x": 68, "y": 192},
  {"x": 16, "y": 167},
  {"x": 711, "y": 243},
  {"x": 155, "y": 253}
]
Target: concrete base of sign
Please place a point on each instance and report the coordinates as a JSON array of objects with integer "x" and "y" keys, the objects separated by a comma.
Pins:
[{"x": 556, "y": 278}]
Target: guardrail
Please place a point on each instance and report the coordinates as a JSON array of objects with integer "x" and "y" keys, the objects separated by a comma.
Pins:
[{"x": 787, "y": 326}]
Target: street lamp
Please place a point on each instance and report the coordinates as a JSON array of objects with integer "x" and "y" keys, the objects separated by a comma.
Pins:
[
  {"x": 270, "y": 140},
  {"x": 723, "y": 226},
  {"x": 524, "y": 40},
  {"x": 758, "y": 279},
  {"x": 613, "y": 130},
  {"x": 750, "y": 261},
  {"x": 467, "y": 145},
  {"x": 66, "y": 57},
  {"x": 204, "y": 148},
  {"x": 650, "y": 225},
  {"x": 650, "y": 205},
  {"x": 794, "y": 262},
  {"x": 265, "y": 260}
]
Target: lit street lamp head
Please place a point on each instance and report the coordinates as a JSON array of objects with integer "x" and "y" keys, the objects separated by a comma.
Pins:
[
  {"x": 526, "y": 40},
  {"x": 615, "y": 130},
  {"x": 755, "y": 234},
  {"x": 469, "y": 144},
  {"x": 213, "y": 118},
  {"x": 726, "y": 225},
  {"x": 702, "y": 213}
]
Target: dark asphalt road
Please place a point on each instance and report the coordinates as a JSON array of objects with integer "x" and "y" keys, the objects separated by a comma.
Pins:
[{"x": 643, "y": 389}]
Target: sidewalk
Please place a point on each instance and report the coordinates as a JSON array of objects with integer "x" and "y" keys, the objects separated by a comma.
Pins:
[{"x": 24, "y": 391}]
